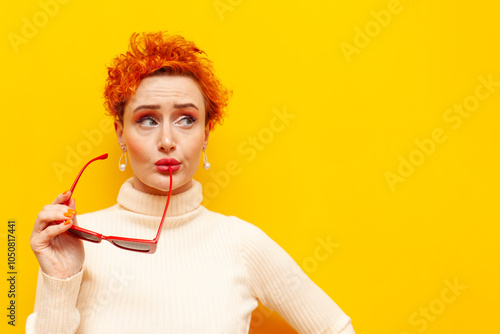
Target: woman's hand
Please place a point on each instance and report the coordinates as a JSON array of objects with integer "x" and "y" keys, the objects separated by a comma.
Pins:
[{"x": 59, "y": 254}]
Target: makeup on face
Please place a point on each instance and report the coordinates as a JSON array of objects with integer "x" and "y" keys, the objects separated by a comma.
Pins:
[{"x": 164, "y": 127}]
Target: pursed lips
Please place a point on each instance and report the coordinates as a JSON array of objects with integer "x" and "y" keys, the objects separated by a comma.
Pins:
[{"x": 164, "y": 164}]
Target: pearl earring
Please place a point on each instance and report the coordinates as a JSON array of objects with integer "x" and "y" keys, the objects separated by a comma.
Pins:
[
  {"x": 206, "y": 164},
  {"x": 121, "y": 166}
]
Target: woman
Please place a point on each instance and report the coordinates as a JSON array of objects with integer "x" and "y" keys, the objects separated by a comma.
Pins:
[{"x": 209, "y": 271}]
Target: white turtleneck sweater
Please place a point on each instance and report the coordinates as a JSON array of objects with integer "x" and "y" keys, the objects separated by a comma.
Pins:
[{"x": 207, "y": 276}]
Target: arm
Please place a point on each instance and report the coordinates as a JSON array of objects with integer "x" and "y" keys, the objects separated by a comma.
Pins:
[
  {"x": 61, "y": 258},
  {"x": 55, "y": 305},
  {"x": 282, "y": 286}
]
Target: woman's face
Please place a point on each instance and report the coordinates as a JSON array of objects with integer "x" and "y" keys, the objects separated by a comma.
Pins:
[{"x": 165, "y": 119}]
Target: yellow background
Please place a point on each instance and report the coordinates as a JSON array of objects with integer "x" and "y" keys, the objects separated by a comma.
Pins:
[{"x": 323, "y": 174}]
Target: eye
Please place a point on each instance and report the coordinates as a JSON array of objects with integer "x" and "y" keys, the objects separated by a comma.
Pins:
[
  {"x": 147, "y": 121},
  {"x": 186, "y": 120}
]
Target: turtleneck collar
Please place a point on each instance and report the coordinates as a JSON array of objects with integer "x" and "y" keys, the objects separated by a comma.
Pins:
[{"x": 153, "y": 205}]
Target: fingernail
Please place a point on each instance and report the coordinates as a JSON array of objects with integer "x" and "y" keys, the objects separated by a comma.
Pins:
[
  {"x": 67, "y": 222},
  {"x": 70, "y": 213},
  {"x": 67, "y": 191}
]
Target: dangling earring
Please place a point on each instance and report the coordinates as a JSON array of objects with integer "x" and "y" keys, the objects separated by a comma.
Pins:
[
  {"x": 206, "y": 164},
  {"x": 121, "y": 166}
]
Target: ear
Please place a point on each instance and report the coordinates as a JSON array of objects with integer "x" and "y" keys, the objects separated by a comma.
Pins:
[
  {"x": 208, "y": 128},
  {"x": 119, "y": 132}
]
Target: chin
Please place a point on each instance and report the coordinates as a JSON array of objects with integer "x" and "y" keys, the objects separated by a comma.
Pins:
[{"x": 163, "y": 186}]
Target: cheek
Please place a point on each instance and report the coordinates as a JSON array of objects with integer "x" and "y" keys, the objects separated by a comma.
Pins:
[
  {"x": 136, "y": 147},
  {"x": 192, "y": 150}
]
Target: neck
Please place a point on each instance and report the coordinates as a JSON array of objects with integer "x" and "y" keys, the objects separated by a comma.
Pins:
[{"x": 147, "y": 203}]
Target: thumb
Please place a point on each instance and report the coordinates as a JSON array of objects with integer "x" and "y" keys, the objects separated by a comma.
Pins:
[{"x": 72, "y": 205}]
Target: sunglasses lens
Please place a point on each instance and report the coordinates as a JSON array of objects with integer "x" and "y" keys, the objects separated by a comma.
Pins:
[
  {"x": 84, "y": 235},
  {"x": 132, "y": 245}
]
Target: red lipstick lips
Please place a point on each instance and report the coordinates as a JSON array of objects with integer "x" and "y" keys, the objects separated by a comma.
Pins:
[{"x": 162, "y": 165}]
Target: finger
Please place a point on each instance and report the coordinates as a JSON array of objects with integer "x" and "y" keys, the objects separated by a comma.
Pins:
[
  {"x": 72, "y": 205},
  {"x": 62, "y": 198},
  {"x": 44, "y": 238},
  {"x": 52, "y": 214},
  {"x": 56, "y": 207}
]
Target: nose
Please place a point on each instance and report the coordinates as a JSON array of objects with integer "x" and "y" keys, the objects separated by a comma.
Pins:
[{"x": 166, "y": 141}]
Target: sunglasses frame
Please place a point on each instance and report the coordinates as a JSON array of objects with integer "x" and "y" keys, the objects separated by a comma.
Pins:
[{"x": 75, "y": 231}]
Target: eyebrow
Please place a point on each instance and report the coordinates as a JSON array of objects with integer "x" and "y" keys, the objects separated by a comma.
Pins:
[{"x": 157, "y": 106}]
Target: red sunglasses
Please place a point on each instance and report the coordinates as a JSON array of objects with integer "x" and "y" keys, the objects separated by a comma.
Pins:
[{"x": 136, "y": 245}]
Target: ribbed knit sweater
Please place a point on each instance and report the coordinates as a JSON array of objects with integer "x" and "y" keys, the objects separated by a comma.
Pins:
[{"x": 207, "y": 276}]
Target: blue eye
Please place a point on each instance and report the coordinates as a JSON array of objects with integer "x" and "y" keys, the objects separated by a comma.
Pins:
[
  {"x": 185, "y": 120},
  {"x": 147, "y": 121}
]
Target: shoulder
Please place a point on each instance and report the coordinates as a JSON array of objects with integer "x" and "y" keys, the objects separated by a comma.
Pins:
[
  {"x": 250, "y": 239},
  {"x": 237, "y": 226}
]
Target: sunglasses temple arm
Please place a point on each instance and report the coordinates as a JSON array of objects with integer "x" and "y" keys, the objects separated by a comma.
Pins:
[
  {"x": 166, "y": 206},
  {"x": 101, "y": 157}
]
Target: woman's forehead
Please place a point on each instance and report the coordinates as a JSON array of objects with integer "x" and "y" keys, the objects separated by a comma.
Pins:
[{"x": 167, "y": 91}]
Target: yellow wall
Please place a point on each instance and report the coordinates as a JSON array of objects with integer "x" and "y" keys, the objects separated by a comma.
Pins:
[{"x": 388, "y": 150}]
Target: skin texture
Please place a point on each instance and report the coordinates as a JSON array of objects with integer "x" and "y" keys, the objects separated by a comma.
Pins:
[
  {"x": 59, "y": 254},
  {"x": 166, "y": 131},
  {"x": 169, "y": 124}
]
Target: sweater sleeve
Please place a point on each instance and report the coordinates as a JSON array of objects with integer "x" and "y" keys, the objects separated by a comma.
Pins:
[
  {"x": 55, "y": 305},
  {"x": 281, "y": 285}
]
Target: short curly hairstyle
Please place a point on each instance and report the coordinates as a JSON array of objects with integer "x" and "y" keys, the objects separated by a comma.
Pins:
[{"x": 163, "y": 54}]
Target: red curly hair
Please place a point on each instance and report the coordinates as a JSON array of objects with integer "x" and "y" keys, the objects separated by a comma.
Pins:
[{"x": 162, "y": 54}]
